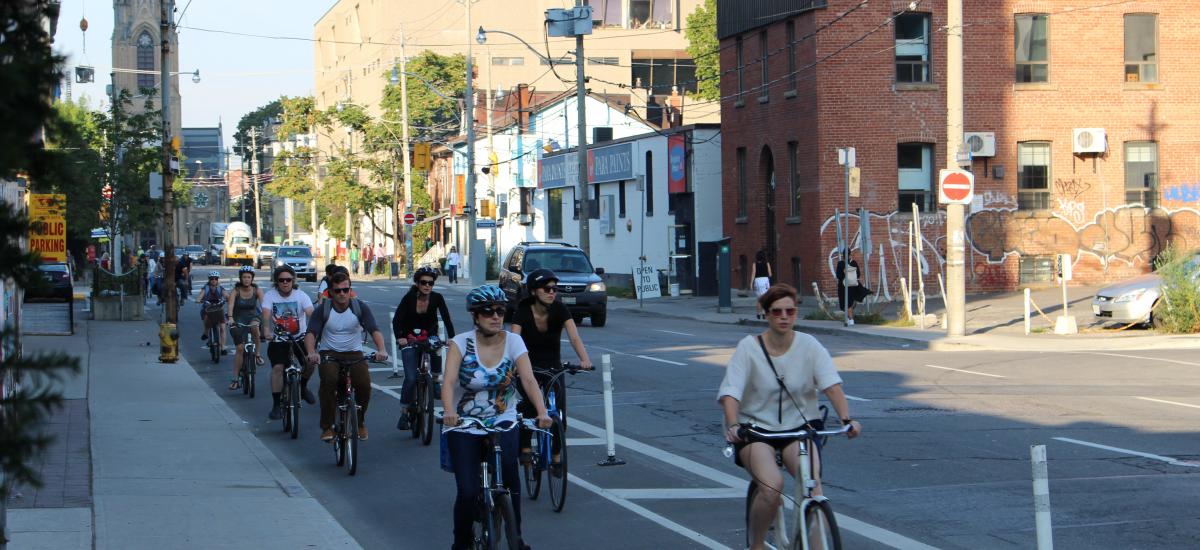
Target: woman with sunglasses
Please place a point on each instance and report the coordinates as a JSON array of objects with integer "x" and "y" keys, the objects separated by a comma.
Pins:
[
  {"x": 772, "y": 382},
  {"x": 483, "y": 368},
  {"x": 418, "y": 311}
]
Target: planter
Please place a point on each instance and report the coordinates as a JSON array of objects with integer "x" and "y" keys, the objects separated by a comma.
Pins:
[{"x": 114, "y": 308}]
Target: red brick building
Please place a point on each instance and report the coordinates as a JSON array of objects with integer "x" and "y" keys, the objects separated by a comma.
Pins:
[{"x": 1083, "y": 117}]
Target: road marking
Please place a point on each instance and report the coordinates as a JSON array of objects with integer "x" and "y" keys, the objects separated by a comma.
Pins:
[
  {"x": 577, "y": 441},
  {"x": 1167, "y": 402},
  {"x": 648, "y": 358},
  {"x": 853, "y": 398},
  {"x": 385, "y": 389},
  {"x": 966, "y": 371},
  {"x": 1176, "y": 361},
  {"x": 656, "y": 518},
  {"x": 1160, "y": 458},
  {"x": 673, "y": 332},
  {"x": 681, "y": 494},
  {"x": 380, "y": 369}
]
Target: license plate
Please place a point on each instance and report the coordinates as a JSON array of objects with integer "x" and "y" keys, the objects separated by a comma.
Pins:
[
  {"x": 568, "y": 300},
  {"x": 1095, "y": 309}
]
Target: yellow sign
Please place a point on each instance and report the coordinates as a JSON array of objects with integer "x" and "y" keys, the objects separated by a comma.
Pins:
[
  {"x": 421, "y": 157},
  {"x": 48, "y": 226}
]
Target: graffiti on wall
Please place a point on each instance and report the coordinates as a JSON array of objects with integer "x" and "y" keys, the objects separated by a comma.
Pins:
[{"x": 1186, "y": 193}]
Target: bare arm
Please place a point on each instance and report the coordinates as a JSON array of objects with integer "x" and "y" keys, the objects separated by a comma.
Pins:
[
  {"x": 585, "y": 362},
  {"x": 837, "y": 398},
  {"x": 450, "y": 376},
  {"x": 381, "y": 353},
  {"x": 730, "y": 407}
]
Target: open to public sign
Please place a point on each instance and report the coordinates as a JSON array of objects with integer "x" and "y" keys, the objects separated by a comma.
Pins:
[
  {"x": 410, "y": 218},
  {"x": 955, "y": 187}
]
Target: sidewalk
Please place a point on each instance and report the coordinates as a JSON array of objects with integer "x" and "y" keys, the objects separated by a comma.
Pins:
[
  {"x": 171, "y": 466},
  {"x": 994, "y": 321}
]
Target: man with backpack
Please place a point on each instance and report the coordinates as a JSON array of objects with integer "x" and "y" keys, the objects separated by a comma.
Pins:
[{"x": 338, "y": 325}]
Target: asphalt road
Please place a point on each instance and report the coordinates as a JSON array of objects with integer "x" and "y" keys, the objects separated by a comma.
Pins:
[{"x": 943, "y": 461}]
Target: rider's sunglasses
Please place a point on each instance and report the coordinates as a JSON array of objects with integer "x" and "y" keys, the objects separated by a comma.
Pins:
[
  {"x": 783, "y": 311},
  {"x": 340, "y": 290},
  {"x": 425, "y": 282},
  {"x": 492, "y": 311},
  {"x": 550, "y": 289},
  {"x": 282, "y": 280}
]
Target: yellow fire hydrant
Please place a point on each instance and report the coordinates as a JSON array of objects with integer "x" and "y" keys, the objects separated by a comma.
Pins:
[{"x": 168, "y": 343}]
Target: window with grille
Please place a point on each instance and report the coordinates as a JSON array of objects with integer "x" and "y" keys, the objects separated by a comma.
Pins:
[
  {"x": 145, "y": 61},
  {"x": 1033, "y": 175},
  {"x": 1141, "y": 47},
  {"x": 661, "y": 75},
  {"x": 914, "y": 167},
  {"x": 1141, "y": 173},
  {"x": 1032, "y": 48},
  {"x": 912, "y": 48}
]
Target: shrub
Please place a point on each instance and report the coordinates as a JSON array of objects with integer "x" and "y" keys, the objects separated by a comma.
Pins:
[{"x": 1178, "y": 309}]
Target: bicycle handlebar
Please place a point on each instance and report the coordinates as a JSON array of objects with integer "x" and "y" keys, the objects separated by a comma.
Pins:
[
  {"x": 473, "y": 422},
  {"x": 750, "y": 432},
  {"x": 569, "y": 368}
]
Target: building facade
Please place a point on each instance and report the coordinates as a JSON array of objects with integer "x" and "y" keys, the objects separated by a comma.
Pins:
[
  {"x": 136, "y": 55},
  {"x": 1080, "y": 135}
]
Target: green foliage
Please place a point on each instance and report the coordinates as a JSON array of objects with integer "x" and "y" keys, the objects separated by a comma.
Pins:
[
  {"x": 74, "y": 140},
  {"x": 130, "y": 163},
  {"x": 299, "y": 115},
  {"x": 1178, "y": 309},
  {"x": 703, "y": 46},
  {"x": 254, "y": 119},
  {"x": 432, "y": 115},
  {"x": 29, "y": 70}
]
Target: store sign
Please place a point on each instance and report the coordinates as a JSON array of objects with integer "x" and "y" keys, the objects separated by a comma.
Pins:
[
  {"x": 48, "y": 226},
  {"x": 557, "y": 171},
  {"x": 676, "y": 164},
  {"x": 613, "y": 163}
]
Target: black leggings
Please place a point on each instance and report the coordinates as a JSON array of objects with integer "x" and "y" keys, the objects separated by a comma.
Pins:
[{"x": 466, "y": 452}]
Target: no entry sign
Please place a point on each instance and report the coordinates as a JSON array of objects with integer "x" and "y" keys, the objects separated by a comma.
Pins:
[
  {"x": 955, "y": 187},
  {"x": 410, "y": 218}
]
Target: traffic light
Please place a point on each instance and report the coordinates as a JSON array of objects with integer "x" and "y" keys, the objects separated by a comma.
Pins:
[{"x": 421, "y": 157}]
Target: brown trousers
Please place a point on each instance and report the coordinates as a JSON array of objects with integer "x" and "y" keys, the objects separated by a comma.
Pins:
[{"x": 360, "y": 379}]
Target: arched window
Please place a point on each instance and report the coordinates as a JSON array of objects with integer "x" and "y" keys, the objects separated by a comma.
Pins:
[{"x": 145, "y": 60}]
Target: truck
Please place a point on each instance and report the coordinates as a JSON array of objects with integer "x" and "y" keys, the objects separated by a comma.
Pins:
[
  {"x": 216, "y": 240},
  {"x": 238, "y": 244}
]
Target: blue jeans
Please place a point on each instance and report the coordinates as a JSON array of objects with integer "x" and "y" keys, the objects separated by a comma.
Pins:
[
  {"x": 411, "y": 357},
  {"x": 466, "y": 452},
  {"x": 452, "y": 273}
]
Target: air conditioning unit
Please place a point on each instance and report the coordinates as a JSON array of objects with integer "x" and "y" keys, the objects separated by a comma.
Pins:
[
  {"x": 1089, "y": 140},
  {"x": 982, "y": 144},
  {"x": 525, "y": 219}
]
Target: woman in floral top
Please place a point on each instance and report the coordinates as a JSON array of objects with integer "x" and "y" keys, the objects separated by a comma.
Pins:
[{"x": 485, "y": 362}]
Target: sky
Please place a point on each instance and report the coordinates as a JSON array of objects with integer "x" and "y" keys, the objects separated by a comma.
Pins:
[{"x": 237, "y": 74}]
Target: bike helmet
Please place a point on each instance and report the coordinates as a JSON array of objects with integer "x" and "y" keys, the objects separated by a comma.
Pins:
[
  {"x": 486, "y": 295},
  {"x": 245, "y": 269},
  {"x": 539, "y": 278},
  {"x": 427, "y": 271},
  {"x": 214, "y": 274},
  {"x": 282, "y": 269}
]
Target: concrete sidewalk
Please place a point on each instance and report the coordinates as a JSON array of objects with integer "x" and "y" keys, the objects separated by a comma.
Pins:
[
  {"x": 994, "y": 321},
  {"x": 172, "y": 466}
]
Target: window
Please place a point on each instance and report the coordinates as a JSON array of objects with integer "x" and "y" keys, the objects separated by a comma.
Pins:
[
  {"x": 594, "y": 205},
  {"x": 607, "y": 13},
  {"x": 650, "y": 14},
  {"x": 1032, "y": 48},
  {"x": 1033, "y": 175},
  {"x": 763, "y": 91},
  {"x": 1141, "y": 47},
  {"x": 565, "y": 59},
  {"x": 621, "y": 199},
  {"x": 145, "y": 60},
  {"x": 604, "y": 61},
  {"x": 508, "y": 61},
  {"x": 791, "y": 45},
  {"x": 661, "y": 75},
  {"x": 741, "y": 68},
  {"x": 554, "y": 216},
  {"x": 794, "y": 183},
  {"x": 914, "y": 163},
  {"x": 741, "y": 182},
  {"x": 1141, "y": 173},
  {"x": 912, "y": 47},
  {"x": 1036, "y": 269},
  {"x": 649, "y": 183}
]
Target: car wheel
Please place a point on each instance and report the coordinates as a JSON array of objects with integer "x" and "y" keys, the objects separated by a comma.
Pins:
[{"x": 598, "y": 319}]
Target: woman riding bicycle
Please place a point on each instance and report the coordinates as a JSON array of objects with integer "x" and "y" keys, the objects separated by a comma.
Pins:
[
  {"x": 539, "y": 320},
  {"x": 418, "y": 310},
  {"x": 487, "y": 393},
  {"x": 245, "y": 308},
  {"x": 777, "y": 392},
  {"x": 212, "y": 297}
]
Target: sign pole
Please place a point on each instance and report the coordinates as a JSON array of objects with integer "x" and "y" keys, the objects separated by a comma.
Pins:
[{"x": 956, "y": 297}]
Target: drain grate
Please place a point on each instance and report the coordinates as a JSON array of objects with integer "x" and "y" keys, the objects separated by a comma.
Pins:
[{"x": 918, "y": 411}]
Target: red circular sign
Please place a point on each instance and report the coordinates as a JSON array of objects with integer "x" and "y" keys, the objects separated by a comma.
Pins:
[
  {"x": 410, "y": 218},
  {"x": 956, "y": 186}
]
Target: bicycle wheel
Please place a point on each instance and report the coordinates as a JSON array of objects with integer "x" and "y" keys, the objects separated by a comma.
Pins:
[
  {"x": 214, "y": 344},
  {"x": 351, "y": 427},
  {"x": 339, "y": 444},
  {"x": 557, "y": 475},
  {"x": 482, "y": 529},
  {"x": 778, "y": 535},
  {"x": 425, "y": 418},
  {"x": 533, "y": 469},
  {"x": 414, "y": 419},
  {"x": 294, "y": 399},
  {"x": 285, "y": 403},
  {"x": 823, "y": 531},
  {"x": 504, "y": 522},
  {"x": 248, "y": 366}
]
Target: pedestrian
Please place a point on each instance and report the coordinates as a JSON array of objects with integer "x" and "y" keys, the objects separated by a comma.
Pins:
[
  {"x": 354, "y": 255},
  {"x": 379, "y": 258},
  {"x": 452, "y": 261},
  {"x": 368, "y": 256},
  {"x": 849, "y": 277},
  {"x": 760, "y": 277}
]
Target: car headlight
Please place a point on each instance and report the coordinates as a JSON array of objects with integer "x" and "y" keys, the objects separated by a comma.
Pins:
[
  {"x": 597, "y": 287},
  {"x": 312, "y": 265},
  {"x": 278, "y": 263},
  {"x": 1136, "y": 295}
]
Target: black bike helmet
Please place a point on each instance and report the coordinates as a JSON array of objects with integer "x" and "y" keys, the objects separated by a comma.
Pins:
[
  {"x": 427, "y": 271},
  {"x": 539, "y": 278}
]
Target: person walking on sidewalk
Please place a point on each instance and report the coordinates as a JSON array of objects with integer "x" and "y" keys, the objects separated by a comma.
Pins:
[
  {"x": 354, "y": 256},
  {"x": 418, "y": 311},
  {"x": 452, "y": 261},
  {"x": 338, "y": 325},
  {"x": 244, "y": 305},
  {"x": 760, "y": 277},
  {"x": 848, "y": 277},
  {"x": 285, "y": 314}
]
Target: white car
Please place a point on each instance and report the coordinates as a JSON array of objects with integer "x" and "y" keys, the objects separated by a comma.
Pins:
[{"x": 1133, "y": 301}]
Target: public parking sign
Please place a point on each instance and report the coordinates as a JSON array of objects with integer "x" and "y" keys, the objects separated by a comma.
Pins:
[{"x": 955, "y": 187}]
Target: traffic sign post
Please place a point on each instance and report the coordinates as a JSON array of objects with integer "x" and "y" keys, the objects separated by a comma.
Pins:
[
  {"x": 410, "y": 218},
  {"x": 956, "y": 187}
]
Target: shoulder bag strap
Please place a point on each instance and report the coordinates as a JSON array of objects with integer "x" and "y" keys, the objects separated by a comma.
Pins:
[{"x": 778, "y": 379}]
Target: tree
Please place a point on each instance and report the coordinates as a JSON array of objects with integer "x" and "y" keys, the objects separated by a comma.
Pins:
[
  {"x": 434, "y": 96},
  {"x": 74, "y": 136},
  {"x": 254, "y": 119},
  {"x": 703, "y": 46}
]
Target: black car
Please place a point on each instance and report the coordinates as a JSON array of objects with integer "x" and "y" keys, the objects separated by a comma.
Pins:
[
  {"x": 197, "y": 253},
  {"x": 57, "y": 278},
  {"x": 579, "y": 284}
]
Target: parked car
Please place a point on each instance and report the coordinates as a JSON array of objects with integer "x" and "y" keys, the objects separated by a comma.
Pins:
[
  {"x": 579, "y": 284},
  {"x": 1133, "y": 301},
  {"x": 196, "y": 253},
  {"x": 265, "y": 255},
  {"x": 301, "y": 260},
  {"x": 58, "y": 286}
]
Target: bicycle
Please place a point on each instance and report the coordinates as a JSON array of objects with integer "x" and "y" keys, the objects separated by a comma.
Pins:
[
  {"x": 289, "y": 398},
  {"x": 214, "y": 331},
  {"x": 545, "y": 457},
  {"x": 818, "y": 530},
  {"x": 246, "y": 373},
  {"x": 421, "y": 417},
  {"x": 345, "y": 425},
  {"x": 495, "y": 520}
]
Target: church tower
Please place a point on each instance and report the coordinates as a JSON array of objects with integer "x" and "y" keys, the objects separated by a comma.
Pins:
[{"x": 136, "y": 46}]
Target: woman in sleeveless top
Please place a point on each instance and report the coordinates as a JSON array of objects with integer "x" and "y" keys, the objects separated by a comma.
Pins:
[
  {"x": 245, "y": 306},
  {"x": 760, "y": 276}
]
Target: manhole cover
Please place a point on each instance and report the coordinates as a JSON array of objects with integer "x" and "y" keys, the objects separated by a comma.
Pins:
[{"x": 918, "y": 410}]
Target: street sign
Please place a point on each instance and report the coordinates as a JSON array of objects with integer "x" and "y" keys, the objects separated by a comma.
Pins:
[
  {"x": 955, "y": 187},
  {"x": 855, "y": 181},
  {"x": 410, "y": 218},
  {"x": 466, "y": 210},
  {"x": 485, "y": 223}
]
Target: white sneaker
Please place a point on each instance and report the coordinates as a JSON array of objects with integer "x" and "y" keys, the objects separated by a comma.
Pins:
[{"x": 850, "y": 322}]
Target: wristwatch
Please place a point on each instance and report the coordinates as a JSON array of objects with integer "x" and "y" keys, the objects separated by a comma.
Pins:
[{"x": 847, "y": 421}]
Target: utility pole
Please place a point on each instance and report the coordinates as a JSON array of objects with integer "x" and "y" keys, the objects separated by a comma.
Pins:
[
  {"x": 475, "y": 261},
  {"x": 166, "y": 11},
  {"x": 408, "y": 229},
  {"x": 956, "y": 295},
  {"x": 254, "y": 169},
  {"x": 585, "y": 211}
]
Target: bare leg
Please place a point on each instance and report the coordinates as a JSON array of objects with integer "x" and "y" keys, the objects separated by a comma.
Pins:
[{"x": 759, "y": 459}]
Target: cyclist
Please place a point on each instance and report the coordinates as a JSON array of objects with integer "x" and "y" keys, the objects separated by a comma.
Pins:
[
  {"x": 772, "y": 381},
  {"x": 244, "y": 305},
  {"x": 418, "y": 310},
  {"x": 288, "y": 309},
  {"x": 487, "y": 393},
  {"x": 339, "y": 323},
  {"x": 540, "y": 320},
  {"x": 183, "y": 277},
  {"x": 330, "y": 269},
  {"x": 211, "y": 296}
]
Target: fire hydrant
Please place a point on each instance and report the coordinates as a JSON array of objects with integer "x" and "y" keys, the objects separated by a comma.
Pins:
[{"x": 168, "y": 343}]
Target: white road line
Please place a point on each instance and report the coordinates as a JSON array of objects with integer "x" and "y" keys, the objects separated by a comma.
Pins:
[
  {"x": 966, "y": 371},
  {"x": 380, "y": 369},
  {"x": 1160, "y": 458},
  {"x": 656, "y": 518},
  {"x": 1176, "y": 361},
  {"x": 673, "y": 332},
  {"x": 1167, "y": 402},
  {"x": 386, "y": 390},
  {"x": 853, "y": 398},
  {"x": 648, "y": 358},
  {"x": 680, "y": 494},
  {"x": 577, "y": 441}
]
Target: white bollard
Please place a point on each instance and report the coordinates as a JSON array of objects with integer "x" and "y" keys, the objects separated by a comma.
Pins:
[
  {"x": 609, "y": 431},
  {"x": 1027, "y": 312},
  {"x": 395, "y": 357},
  {"x": 1041, "y": 497}
]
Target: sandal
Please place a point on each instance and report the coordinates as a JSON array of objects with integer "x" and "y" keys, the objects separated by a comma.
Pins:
[{"x": 235, "y": 384}]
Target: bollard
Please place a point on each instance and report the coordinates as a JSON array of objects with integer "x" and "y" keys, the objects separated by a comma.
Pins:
[
  {"x": 1027, "y": 321},
  {"x": 609, "y": 432},
  {"x": 395, "y": 358},
  {"x": 1041, "y": 497}
]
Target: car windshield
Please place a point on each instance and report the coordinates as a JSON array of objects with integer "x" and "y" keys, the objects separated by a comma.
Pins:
[
  {"x": 293, "y": 253},
  {"x": 241, "y": 240},
  {"x": 53, "y": 267},
  {"x": 268, "y": 248},
  {"x": 195, "y": 248},
  {"x": 558, "y": 261}
]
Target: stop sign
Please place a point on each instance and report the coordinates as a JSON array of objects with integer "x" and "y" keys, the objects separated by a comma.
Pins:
[
  {"x": 410, "y": 218},
  {"x": 956, "y": 187}
]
